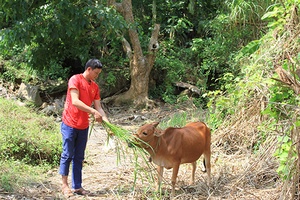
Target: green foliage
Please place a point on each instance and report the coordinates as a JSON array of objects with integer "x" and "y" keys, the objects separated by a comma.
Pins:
[
  {"x": 247, "y": 11},
  {"x": 206, "y": 64},
  {"x": 202, "y": 59},
  {"x": 111, "y": 78},
  {"x": 181, "y": 118},
  {"x": 274, "y": 17},
  {"x": 280, "y": 103},
  {"x": 27, "y": 137},
  {"x": 176, "y": 120},
  {"x": 250, "y": 48},
  {"x": 219, "y": 107},
  {"x": 57, "y": 30},
  {"x": 212, "y": 57},
  {"x": 287, "y": 155},
  {"x": 234, "y": 27},
  {"x": 55, "y": 71},
  {"x": 281, "y": 107},
  {"x": 175, "y": 65},
  {"x": 281, "y": 114},
  {"x": 8, "y": 76},
  {"x": 198, "y": 38},
  {"x": 239, "y": 91},
  {"x": 180, "y": 20},
  {"x": 12, "y": 72},
  {"x": 15, "y": 174}
]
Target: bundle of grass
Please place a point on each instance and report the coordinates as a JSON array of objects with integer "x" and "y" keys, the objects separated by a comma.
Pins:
[
  {"x": 120, "y": 133},
  {"x": 123, "y": 139},
  {"x": 121, "y": 136}
]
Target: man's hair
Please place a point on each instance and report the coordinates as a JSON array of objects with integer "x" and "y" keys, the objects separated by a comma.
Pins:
[{"x": 93, "y": 63}]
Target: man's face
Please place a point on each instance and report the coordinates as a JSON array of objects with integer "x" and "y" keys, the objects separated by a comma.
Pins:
[{"x": 94, "y": 73}]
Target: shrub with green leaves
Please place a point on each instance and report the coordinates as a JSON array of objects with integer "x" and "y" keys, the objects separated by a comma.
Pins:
[
  {"x": 15, "y": 174},
  {"x": 286, "y": 154},
  {"x": 27, "y": 136}
]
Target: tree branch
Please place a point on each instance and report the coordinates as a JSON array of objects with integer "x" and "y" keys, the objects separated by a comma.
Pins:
[
  {"x": 127, "y": 48},
  {"x": 153, "y": 44},
  {"x": 287, "y": 79},
  {"x": 188, "y": 86},
  {"x": 117, "y": 6}
]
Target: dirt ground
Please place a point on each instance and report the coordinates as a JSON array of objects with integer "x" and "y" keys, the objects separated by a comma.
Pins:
[{"x": 108, "y": 178}]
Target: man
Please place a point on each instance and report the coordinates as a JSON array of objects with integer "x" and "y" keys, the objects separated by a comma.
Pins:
[{"x": 83, "y": 92}]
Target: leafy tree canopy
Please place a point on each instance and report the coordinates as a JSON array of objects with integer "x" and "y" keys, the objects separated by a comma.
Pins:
[
  {"x": 49, "y": 32},
  {"x": 198, "y": 39}
]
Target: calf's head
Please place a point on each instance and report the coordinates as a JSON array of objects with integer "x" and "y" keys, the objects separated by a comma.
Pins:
[{"x": 146, "y": 134}]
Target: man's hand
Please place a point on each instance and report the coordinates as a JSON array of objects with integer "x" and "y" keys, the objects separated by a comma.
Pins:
[{"x": 97, "y": 116}]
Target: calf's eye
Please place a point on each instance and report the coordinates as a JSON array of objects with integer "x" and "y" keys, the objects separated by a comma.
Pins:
[{"x": 144, "y": 133}]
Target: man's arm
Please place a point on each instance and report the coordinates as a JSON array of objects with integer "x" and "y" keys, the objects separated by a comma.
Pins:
[
  {"x": 99, "y": 108},
  {"x": 82, "y": 106}
]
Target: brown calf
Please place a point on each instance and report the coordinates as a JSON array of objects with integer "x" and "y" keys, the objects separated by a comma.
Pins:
[{"x": 174, "y": 146}]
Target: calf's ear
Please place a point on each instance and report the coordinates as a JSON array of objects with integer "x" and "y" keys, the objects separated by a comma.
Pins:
[{"x": 155, "y": 124}]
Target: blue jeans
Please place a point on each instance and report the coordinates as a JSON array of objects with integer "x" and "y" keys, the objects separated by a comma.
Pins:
[{"x": 74, "y": 143}]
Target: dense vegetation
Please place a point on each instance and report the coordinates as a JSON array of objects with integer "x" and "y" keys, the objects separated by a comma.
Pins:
[
  {"x": 242, "y": 55},
  {"x": 29, "y": 144},
  {"x": 198, "y": 39}
]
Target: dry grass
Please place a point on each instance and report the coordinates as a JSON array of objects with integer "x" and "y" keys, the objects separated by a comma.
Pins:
[{"x": 238, "y": 172}]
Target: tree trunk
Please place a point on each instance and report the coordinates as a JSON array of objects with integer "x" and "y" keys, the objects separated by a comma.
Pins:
[{"x": 140, "y": 65}]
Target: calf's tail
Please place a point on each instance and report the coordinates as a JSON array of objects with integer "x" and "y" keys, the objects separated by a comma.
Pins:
[{"x": 204, "y": 164}]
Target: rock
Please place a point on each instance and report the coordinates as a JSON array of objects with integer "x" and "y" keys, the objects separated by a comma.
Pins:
[
  {"x": 49, "y": 110},
  {"x": 3, "y": 92},
  {"x": 30, "y": 93},
  {"x": 56, "y": 108}
]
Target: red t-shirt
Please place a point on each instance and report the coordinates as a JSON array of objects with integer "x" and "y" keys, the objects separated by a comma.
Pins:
[{"x": 88, "y": 92}]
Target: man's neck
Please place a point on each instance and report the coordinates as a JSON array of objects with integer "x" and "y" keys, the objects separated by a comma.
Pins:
[{"x": 86, "y": 77}]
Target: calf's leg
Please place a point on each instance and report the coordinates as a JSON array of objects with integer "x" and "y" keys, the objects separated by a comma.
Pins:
[
  {"x": 207, "y": 164},
  {"x": 174, "y": 177},
  {"x": 160, "y": 171},
  {"x": 194, "y": 165}
]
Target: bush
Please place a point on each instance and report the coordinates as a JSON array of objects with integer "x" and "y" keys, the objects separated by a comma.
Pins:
[
  {"x": 16, "y": 174},
  {"x": 28, "y": 137}
]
